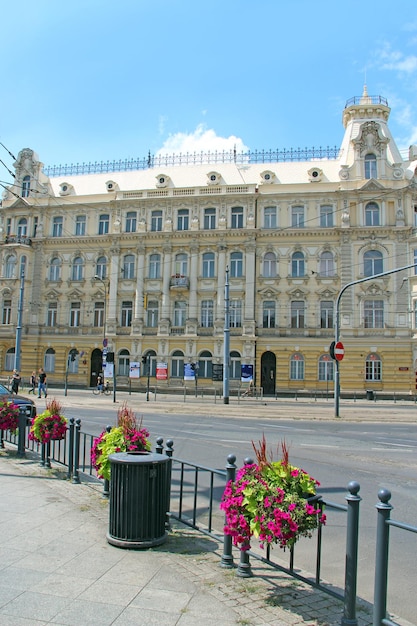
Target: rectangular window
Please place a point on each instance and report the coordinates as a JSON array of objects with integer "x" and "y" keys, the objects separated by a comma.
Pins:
[
  {"x": 103, "y": 224},
  {"x": 373, "y": 369},
  {"x": 75, "y": 314},
  {"x": 326, "y": 314},
  {"x": 154, "y": 266},
  {"x": 236, "y": 265},
  {"x": 235, "y": 314},
  {"x": 131, "y": 222},
  {"x": 270, "y": 217},
  {"x": 152, "y": 314},
  {"x": 7, "y": 312},
  {"x": 209, "y": 219},
  {"x": 237, "y": 217},
  {"x": 207, "y": 307},
  {"x": 297, "y": 217},
  {"x": 80, "y": 225},
  {"x": 268, "y": 314},
  {"x": 57, "y": 226},
  {"x": 373, "y": 314},
  {"x": 297, "y": 368},
  {"x": 326, "y": 216},
  {"x": 156, "y": 221},
  {"x": 297, "y": 314},
  {"x": 325, "y": 369},
  {"x": 180, "y": 309},
  {"x": 183, "y": 219},
  {"x": 52, "y": 314},
  {"x": 98, "y": 314},
  {"x": 127, "y": 310},
  {"x": 208, "y": 265}
]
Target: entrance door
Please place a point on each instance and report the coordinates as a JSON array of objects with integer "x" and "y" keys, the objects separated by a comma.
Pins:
[
  {"x": 96, "y": 366},
  {"x": 268, "y": 373}
]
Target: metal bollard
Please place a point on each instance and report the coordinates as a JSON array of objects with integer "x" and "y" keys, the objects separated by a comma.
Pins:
[
  {"x": 169, "y": 452},
  {"x": 227, "y": 556},
  {"x": 47, "y": 447},
  {"x": 159, "y": 448},
  {"x": 244, "y": 569},
  {"x": 76, "y": 474},
  {"x": 71, "y": 447},
  {"x": 351, "y": 567},
  {"x": 106, "y": 482},
  {"x": 384, "y": 509},
  {"x": 21, "y": 433}
]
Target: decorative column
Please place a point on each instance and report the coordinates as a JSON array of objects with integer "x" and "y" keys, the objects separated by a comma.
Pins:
[
  {"x": 139, "y": 293},
  {"x": 114, "y": 283},
  {"x": 250, "y": 266},
  {"x": 167, "y": 271},
  {"x": 192, "y": 302}
]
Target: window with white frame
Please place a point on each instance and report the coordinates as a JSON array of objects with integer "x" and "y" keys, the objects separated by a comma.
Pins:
[
  {"x": 101, "y": 267},
  {"x": 49, "y": 361},
  {"x": 373, "y": 263},
  {"x": 80, "y": 225},
  {"x": 128, "y": 270},
  {"x": 269, "y": 265},
  {"x": 236, "y": 265},
  {"x": 235, "y": 314},
  {"x": 237, "y": 217},
  {"x": 235, "y": 371},
  {"x": 372, "y": 214},
  {"x": 373, "y": 313},
  {"x": 326, "y": 368},
  {"x": 297, "y": 367},
  {"x": 131, "y": 221},
  {"x": 180, "y": 313},
  {"x": 75, "y": 314},
  {"x": 297, "y": 265},
  {"x": 57, "y": 226},
  {"x": 208, "y": 265},
  {"x": 6, "y": 317},
  {"x": 22, "y": 227},
  {"x": 77, "y": 268},
  {"x": 9, "y": 359},
  {"x": 268, "y": 314},
  {"x": 152, "y": 313},
  {"x": 156, "y": 221},
  {"x": 205, "y": 364},
  {"x": 326, "y": 216},
  {"x": 370, "y": 166},
  {"x": 126, "y": 313},
  {"x": 207, "y": 316},
  {"x": 98, "y": 315},
  {"x": 181, "y": 264},
  {"x": 177, "y": 364},
  {"x": 55, "y": 269},
  {"x": 326, "y": 314},
  {"x": 297, "y": 216},
  {"x": 25, "y": 186},
  {"x": 209, "y": 219},
  {"x": 270, "y": 217},
  {"x": 123, "y": 360},
  {"x": 52, "y": 314},
  {"x": 103, "y": 224},
  {"x": 298, "y": 314},
  {"x": 326, "y": 266},
  {"x": 155, "y": 266},
  {"x": 183, "y": 219},
  {"x": 10, "y": 267},
  {"x": 373, "y": 367}
]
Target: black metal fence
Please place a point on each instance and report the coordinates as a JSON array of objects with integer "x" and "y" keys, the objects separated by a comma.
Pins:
[{"x": 194, "y": 499}]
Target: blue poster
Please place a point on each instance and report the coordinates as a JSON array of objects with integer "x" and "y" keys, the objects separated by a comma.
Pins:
[
  {"x": 189, "y": 373},
  {"x": 246, "y": 373}
]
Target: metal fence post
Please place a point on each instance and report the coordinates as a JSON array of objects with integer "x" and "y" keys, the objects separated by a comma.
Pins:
[
  {"x": 76, "y": 474},
  {"x": 159, "y": 448},
  {"x": 47, "y": 452},
  {"x": 351, "y": 566},
  {"x": 384, "y": 509},
  {"x": 244, "y": 569},
  {"x": 169, "y": 452},
  {"x": 227, "y": 556},
  {"x": 71, "y": 447},
  {"x": 106, "y": 482},
  {"x": 21, "y": 433}
]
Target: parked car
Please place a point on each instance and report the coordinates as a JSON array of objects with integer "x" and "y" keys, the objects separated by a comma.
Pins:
[{"x": 6, "y": 395}]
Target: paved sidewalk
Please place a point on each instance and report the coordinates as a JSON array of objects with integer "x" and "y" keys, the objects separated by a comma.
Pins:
[{"x": 58, "y": 568}]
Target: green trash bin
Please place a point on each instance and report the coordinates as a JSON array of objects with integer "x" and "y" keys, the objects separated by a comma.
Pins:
[
  {"x": 139, "y": 499},
  {"x": 369, "y": 394}
]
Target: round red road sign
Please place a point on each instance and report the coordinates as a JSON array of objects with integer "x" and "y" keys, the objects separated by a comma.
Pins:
[{"x": 339, "y": 351}]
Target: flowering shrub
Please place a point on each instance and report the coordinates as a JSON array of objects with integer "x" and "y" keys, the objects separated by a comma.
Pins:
[
  {"x": 269, "y": 500},
  {"x": 9, "y": 416},
  {"x": 49, "y": 425},
  {"x": 126, "y": 436}
]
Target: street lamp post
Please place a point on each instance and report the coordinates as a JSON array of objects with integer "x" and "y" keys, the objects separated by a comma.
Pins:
[{"x": 337, "y": 323}]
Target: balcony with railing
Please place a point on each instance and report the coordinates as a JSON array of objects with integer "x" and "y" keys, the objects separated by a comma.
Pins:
[
  {"x": 179, "y": 281},
  {"x": 18, "y": 239}
]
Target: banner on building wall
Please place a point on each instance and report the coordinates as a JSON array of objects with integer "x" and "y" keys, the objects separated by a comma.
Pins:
[
  {"x": 189, "y": 373},
  {"x": 134, "y": 369},
  {"x": 161, "y": 371},
  {"x": 246, "y": 373},
  {"x": 217, "y": 372}
]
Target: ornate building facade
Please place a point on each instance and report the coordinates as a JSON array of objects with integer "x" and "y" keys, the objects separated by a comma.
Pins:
[{"x": 138, "y": 256}]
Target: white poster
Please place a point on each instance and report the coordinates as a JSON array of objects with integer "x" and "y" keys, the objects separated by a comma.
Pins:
[
  {"x": 108, "y": 370},
  {"x": 134, "y": 370}
]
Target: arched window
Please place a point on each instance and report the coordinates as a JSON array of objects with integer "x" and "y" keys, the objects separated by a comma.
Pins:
[
  {"x": 372, "y": 214},
  {"x": 25, "y": 186},
  {"x": 9, "y": 360},
  {"x": 78, "y": 268},
  {"x": 235, "y": 365},
  {"x": 128, "y": 270},
  {"x": 236, "y": 265},
  {"x": 49, "y": 360},
  {"x": 10, "y": 269},
  {"x": 269, "y": 269},
  {"x": 373, "y": 367},
  {"x": 22, "y": 227},
  {"x": 326, "y": 369},
  {"x": 155, "y": 266},
  {"x": 297, "y": 265},
  {"x": 373, "y": 263},
  {"x": 151, "y": 358},
  {"x": 181, "y": 264},
  {"x": 123, "y": 363},
  {"x": 177, "y": 364},
  {"x": 55, "y": 269},
  {"x": 208, "y": 265},
  {"x": 326, "y": 264},
  {"x": 101, "y": 267},
  {"x": 370, "y": 166},
  {"x": 205, "y": 364},
  {"x": 297, "y": 366}
]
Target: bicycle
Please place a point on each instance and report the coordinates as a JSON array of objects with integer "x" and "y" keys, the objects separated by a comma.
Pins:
[{"x": 105, "y": 389}]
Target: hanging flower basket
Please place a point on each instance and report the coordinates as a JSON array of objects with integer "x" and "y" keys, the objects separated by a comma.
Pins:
[
  {"x": 127, "y": 436},
  {"x": 269, "y": 500},
  {"x": 49, "y": 425},
  {"x": 9, "y": 416}
]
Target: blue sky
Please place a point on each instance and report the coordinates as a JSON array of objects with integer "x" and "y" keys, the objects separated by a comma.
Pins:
[{"x": 91, "y": 80}]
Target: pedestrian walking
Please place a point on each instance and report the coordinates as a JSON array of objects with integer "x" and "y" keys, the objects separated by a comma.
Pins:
[
  {"x": 32, "y": 382},
  {"x": 42, "y": 383},
  {"x": 15, "y": 382}
]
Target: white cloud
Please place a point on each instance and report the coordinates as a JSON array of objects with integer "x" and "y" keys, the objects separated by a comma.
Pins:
[
  {"x": 397, "y": 61},
  {"x": 201, "y": 140}
]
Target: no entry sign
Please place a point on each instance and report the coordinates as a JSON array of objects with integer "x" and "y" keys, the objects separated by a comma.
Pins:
[{"x": 339, "y": 351}]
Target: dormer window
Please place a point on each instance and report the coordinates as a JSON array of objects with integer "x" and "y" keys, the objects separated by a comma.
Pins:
[
  {"x": 370, "y": 166},
  {"x": 315, "y": 174},
  {"x": 162, "y": 180},
  {"x": 267, "y": 177},
  {"x": 213, "y": 178},
  {"x": 65, "y": 189},
  {"x": 111, "y": 186}
]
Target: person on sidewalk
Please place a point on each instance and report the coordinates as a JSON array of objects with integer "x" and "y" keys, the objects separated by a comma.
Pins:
[
  {"x": 15, "y": 382},
  {"x": 32, "y": 383},
  {"x": 42, "y": 383}
]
